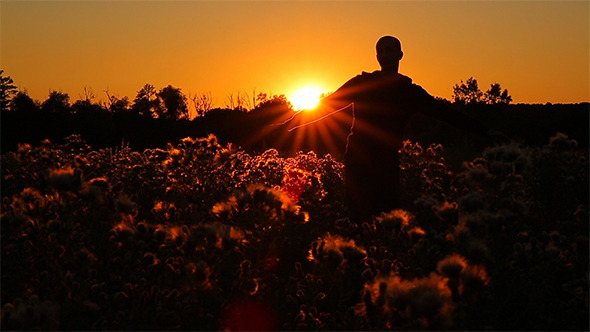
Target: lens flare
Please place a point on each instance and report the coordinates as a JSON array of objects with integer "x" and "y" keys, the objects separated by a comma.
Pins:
[{"x": 306, "y": 98}]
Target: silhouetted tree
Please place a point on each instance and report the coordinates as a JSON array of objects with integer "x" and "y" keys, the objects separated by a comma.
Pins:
[
  {"x": 88, "y": 95},
  {"x": 147, "y": 102},
  {"x": 467, "y": 93},
  {"x": 239, "y": 102},
  {"x": 495, "y": 95},
  {"x": 57, "y": 102},
  {"x": 7, "y": 90},
  {"x": 261, "y": 98},
  {"x": 203, "y": 102},
  {"x": 174, "y": 104},
  {"x": 86, "y": 107},
  {"x": 276, "y": 100},
  {"x": 116, "y": 104},
  {"x": 22, "y": 103}
]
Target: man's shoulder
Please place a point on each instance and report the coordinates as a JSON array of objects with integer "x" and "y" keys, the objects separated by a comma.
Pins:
[
  {"x": 364, "y": 76},
  {"x": 378, "y": 75},
  {"x": 403, "y": 79},
  {"x": 398, "y": 81}
]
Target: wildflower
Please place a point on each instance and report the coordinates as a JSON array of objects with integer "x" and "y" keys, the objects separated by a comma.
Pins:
[
  {"x": 225, "y": 210},
  {"x": 427, "y": 300},
  {"x": 174, "y": 157},
  {"x": 294, "y": 183},
  {"x": 64, "y": 179},
  {"x": 507, "y": 159},
  {"x": 225, "y": 154},
  {"x": 149, "y": 259},
  {"x": 335, "y": 250},
  {"x": 477, "y": 175},
  {"x": 562, "y": 142},
  {"x": 176, "y": 233},
  {"x": 430, "y": 297},
  {"x": 124, "y": 204},
  {"x": 396, "y": 220},
  {"x": 473, "y": 278},
  {"x": 122, "y": 230},
  {"x": 155, "y": 155},
  {"x": 94, "y": 190},
  {"x": 187, "y": 142},
  {"x": 233, "y": 234},
  {"x": 463, "y": 277},
  {"x": 451, "y": 266},
  {"x": 30, "y": 195},
  {"x": 29, "y": 201},
  {"x": 446, "y": 211},
  {"x": 158, "y": 208},
  {"x": 416, "y": 234},
  {"x": 218, "y": 234}
]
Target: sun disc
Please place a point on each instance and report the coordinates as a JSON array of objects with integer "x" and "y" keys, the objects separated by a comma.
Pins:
[{"x": 306, "y": 98}]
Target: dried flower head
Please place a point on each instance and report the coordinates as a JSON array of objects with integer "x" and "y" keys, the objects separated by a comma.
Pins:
[
  {"x": 561, "y": 141},
  {"x": 452, "y": 266},
  {"x": 94, "y": 190},
  {"x": 473, "y": 278},
  {"x": 477, "y": 176},
  {"x": 427, "y": 301},
  {"x": 64, "y": 179},
  {"x": 446, "y": 211},
  {"x": 335, "y": 250},
  {"x": 124, "y": 204},
  {"x": 396, "y": 220}
]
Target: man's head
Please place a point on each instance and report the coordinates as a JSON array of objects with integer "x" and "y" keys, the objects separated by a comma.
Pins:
[{"x": 389, "y": 53}]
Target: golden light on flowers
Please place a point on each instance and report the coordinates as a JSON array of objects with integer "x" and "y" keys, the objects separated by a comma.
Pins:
[{"x": 306, "y": 98}]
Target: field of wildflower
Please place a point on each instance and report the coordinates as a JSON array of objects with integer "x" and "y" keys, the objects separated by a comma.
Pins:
[{"x": 201, "y": 236}]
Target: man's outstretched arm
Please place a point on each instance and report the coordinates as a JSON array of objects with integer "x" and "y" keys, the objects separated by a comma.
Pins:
[
  {"x": 439, "y": 110},
  {"x": 337, "y": 108}
]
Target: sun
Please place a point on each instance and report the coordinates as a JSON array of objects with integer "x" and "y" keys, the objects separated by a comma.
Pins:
[{"x": 306, "y": 98}]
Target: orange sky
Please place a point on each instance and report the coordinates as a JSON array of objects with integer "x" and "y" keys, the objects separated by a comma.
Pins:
[{"x": 538, "y": 50}]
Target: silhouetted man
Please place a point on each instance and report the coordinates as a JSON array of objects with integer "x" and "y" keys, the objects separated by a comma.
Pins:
[{"x": 377, "y": 107}]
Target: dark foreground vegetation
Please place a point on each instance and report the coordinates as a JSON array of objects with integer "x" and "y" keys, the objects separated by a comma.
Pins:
[{"x": 199, "y": 235}]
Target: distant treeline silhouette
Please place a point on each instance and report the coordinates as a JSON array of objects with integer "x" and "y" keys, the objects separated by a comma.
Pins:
[
  {"x": 261, "y": 128},
  {"x": 157, "y": 117}
]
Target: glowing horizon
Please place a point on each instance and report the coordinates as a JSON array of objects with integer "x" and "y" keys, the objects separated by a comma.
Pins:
[{"x": 539, "y": 51}]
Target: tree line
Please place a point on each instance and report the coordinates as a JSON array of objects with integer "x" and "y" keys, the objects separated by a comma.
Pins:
[
  {"x": 469, "y": 93},
  {"x": 254, "y": 121},
  {"x": 171, "y": 103},
  {"x": 165, "y": 103}
]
